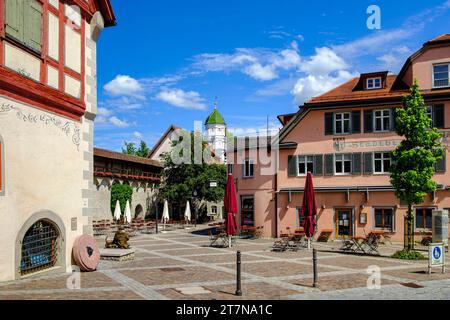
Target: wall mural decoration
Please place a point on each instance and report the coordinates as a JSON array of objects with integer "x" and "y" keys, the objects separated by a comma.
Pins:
[{"x": 69, "y": 128}]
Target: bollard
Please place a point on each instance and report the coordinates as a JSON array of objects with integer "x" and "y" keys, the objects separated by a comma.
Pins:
[
  {"x": 238, "y": 275},
  {"x": 315, "y": 267}
]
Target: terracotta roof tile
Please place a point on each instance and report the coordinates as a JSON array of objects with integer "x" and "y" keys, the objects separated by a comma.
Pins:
[
  {"x": 443, "y": 37},
  {"x": 125, "y": 157}
]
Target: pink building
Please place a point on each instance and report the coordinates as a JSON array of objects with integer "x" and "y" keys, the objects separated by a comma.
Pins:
[{"x": 344, "y": 137}]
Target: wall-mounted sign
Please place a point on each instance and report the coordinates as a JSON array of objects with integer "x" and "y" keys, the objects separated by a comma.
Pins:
[
  {"x": 363, "y": 218},
  {"x": 341, "y": 145},
  {"x": 213, "y": 184},
  {"x": 436, "y": 254}
]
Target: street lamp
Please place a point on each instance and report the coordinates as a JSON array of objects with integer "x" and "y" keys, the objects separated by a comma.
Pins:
[
  {"x": 157, "y": 208},
  {"x": 195, "y": 193}
]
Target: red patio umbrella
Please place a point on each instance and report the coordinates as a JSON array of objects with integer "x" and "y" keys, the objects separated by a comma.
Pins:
[
  {"x": 309, "y": 207},
  {"x": 230, "y": 206}
]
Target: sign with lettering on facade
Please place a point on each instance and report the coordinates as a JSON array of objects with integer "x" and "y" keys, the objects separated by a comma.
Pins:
[
  {"x": 436, "y": 256},
  {"x": 341, "y": 145},
  {"x": 440, "y": 223}
]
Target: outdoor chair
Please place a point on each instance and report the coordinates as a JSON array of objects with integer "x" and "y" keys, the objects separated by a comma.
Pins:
[
  {"x": 280, "y": 245},
  {"x": 371, "y": 244},
  {"x": 218, "y": 240}
]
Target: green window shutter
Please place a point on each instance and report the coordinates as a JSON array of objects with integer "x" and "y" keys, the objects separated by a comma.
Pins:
[
  {"x": 329, "y": 125},
  {"x": 441, "y": 165},
  {"x": 357, "y": 163},
  {"x": 368, "y": 121},
  {"x": 292, "y": 166},
  {"x": 356, "y": 122},
  {"x": 318, "y": 165},
  {"x": 439, "y": 116},
  {"x": 368, "y": 163},
  {"x": 329, "y": 164},
  {"x": 33, "y": 24},
  {"x": 14, "y": 19}
]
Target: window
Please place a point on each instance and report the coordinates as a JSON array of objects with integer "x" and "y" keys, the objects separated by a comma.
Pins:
[
  {"x": 230, "y": 169},
  {"x": 424, "y": 218},
  {"x": 374, "y": 83},
  {"x": 214, "y": 210},
  {"x": 382, "y": 119},
  {"x": 305, "y": 165},
  {"x": 343, "y": 164},
  {"x": 23, "y": 23},
  {"x": 382, "y": 162},
  {"x": 384, "y": 218},
  {"x": 249, "y": 168},
  {"x": 441, "y": 74},
  {"x": 248, "y": 211},
  {"x": 342, "y": 123}
]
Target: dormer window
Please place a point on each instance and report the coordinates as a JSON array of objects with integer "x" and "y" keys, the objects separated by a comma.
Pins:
[
  {"x": 441, "y": 75},
  {"x": 373, "y": 83}
]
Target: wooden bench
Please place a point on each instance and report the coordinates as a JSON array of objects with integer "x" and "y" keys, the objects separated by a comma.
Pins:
[{"x": 325, "y": 235}]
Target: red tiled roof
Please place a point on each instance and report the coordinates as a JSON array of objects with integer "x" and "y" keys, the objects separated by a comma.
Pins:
[
  {"x": 125, "y": 157},
  {"x": 346, "y": 92},
  {"x": 443, "y": 37}
]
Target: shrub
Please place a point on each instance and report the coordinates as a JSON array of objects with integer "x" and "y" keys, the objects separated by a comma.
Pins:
[
  {"x": 408, "y": 255},
  {"x": 121, "y": 192}
]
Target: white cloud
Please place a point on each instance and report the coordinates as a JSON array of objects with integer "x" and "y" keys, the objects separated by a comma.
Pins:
[
  {"x": 323, "y": 62},
  {"x": 118, "y": 123},
  {"x": 138, "y": 135},
  {"x": 258, "y": 72},
  {"x": 182, "y": 99},
  {"x": 316, "y": 84},
  {"x": 124, "y": 85}
]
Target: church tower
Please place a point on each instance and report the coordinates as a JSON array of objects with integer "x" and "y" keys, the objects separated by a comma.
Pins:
[{"x": 216, "y": 133}]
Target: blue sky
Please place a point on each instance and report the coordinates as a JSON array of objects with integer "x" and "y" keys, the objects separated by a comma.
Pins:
[{"x": 166, "y": 61}]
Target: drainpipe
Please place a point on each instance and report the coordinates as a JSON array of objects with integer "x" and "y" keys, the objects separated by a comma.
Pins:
[{"x": 276, "y": 205}]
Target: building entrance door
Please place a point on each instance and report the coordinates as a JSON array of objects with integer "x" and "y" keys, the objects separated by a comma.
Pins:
[{"x": 344, "y": 223}]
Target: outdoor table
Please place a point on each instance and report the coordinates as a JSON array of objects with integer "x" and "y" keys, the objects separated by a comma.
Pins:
[{"x": 354, "y": 244}]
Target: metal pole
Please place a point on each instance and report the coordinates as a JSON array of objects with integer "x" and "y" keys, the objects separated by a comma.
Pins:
[
  {"x": 238, "y": 275},
  {"x": 315, "y": 267},
  {"x": 157, "y": 211}
]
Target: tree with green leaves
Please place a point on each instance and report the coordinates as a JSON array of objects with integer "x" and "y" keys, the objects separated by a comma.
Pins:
[
  {"x": 414, "y": 160},
  {"x": 123, "y": 193},
  {"x": 130, "y": 148},
  {"x": 180, "y": 180}
]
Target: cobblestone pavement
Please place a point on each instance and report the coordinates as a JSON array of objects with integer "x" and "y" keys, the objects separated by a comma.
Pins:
[{"x": 181, "y": 265}]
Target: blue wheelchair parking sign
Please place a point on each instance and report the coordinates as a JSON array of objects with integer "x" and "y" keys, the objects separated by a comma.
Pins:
[{"x": 437, "y": 253}]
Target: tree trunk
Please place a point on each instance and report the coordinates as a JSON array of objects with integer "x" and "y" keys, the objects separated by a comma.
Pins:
[{"x": 409, "y": 230}]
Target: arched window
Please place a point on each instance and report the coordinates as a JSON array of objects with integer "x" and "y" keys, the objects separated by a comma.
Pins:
[{"x": 39, "y": 247}]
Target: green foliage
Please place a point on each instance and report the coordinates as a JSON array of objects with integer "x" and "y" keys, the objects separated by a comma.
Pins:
[
  {"x": 121, "y": 192},
  {"x": 408, "y": 255},
  {"x": 179, "y": 181},
  {"x": 414, "y": 160},
  {"x": 130, "y": 148}
]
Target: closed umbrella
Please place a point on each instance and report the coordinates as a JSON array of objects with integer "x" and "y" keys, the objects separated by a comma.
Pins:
[
  {"x": 117, "y": 211},
  {"x": 187, "y": 212},
  {"x": 230, "y": 206},
  {"x": 165, "y": 216},
  {"x": 128, "y": 212},
  {"x": 309, "y": 209}
]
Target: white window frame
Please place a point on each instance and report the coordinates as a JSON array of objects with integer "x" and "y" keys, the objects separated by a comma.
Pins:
[
  {"x": 393, "y": 218},
  {"x": 448, "y": 75},
  {"x": 383, "y": 153},
  {"x": 343, "y": 160},
  {"x": 373, "y": 83},
  {"x": 251, "y": 163},
  {"x": 342, "y": 121},
  {"x": 306, "y": 160},
  {"x": 382, "y": 117}
]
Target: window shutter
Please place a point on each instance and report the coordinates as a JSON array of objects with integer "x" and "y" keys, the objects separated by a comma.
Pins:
[
  {"x": 393, "y": 119},
  {"x": 329, "y": 125},
  {"x": 292, "y": 166},
  {"x": 439, "y": 116},
  {"x": 329, "y": 164},
  {"x": 368, "y": 163},
  {"x": 357, "y": 163},
  {"x": 368, "y": 121},
  {"x": 14, "y": 19},
  {"x": 33, "y": 24},
  {"x": 441, "y": 165},
  {"x": 356, "y": 121},
  {"x": 318, "y": 165}
]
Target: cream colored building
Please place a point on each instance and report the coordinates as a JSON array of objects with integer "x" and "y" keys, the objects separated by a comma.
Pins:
[{"x": 48, "y": 103}]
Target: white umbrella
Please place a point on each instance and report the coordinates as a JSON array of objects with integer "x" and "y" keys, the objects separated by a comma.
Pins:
[
  {"x": 128, "y": 212},
  {"x": 165, "y": 216},
  {"x": 117, "y": 212},
  {"x": 187, "y": 213}
]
